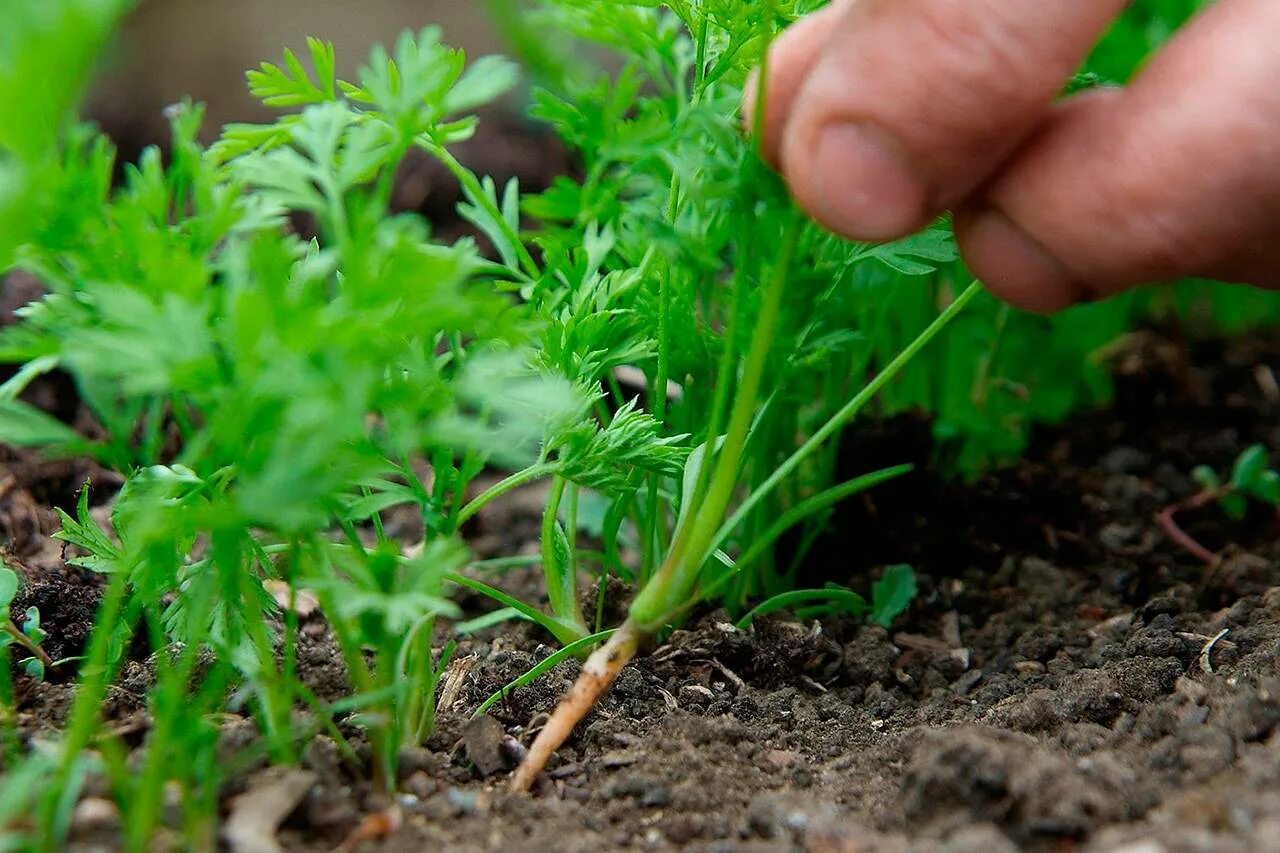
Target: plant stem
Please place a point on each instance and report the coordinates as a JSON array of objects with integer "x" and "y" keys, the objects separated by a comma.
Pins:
[
  {"x": 849, "y": 409},
  {"x": 669, "y": 591},
  {"x": 95, "y": 675},
  {"x": 497, "y": 490},
  {"x": 476, "y": 191},
  {"x": 25, "y": 641},
  {"x": 10, "y": 743},
  {"x": 679, "y": 572},
  {"x": 1167, "y": 520},
  {"x": 561, "y": 582},
  {"x": 658, "y": 394}
]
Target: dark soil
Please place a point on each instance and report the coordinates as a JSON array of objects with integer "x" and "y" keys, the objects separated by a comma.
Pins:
[{"x": 1056, "y": 686}]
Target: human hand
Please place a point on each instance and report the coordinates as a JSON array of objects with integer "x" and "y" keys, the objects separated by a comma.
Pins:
[{"x": 881, "y": 114}]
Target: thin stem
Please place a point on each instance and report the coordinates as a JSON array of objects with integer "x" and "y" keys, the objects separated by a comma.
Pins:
[
  {"x": 95, "y": 675},
  {"x": 497, "y": 490},
  {"x": 552, "y": 571},
  {"x": 700, "y": 58},
  {"x": 26, "y": 643},
  {"x": 982, "y": 381},
  {"x": 815, "y": 504},
  {"x": 10, "y": 743},
  {"x": 564, "y": 632},
  {"x": 847, "y": 411},
  {"x": 571, "y": 557},
  {"x": 1167, "y": 520},
  {"x": 658, "y": 395},
  {"x": 679, "y": 572}
]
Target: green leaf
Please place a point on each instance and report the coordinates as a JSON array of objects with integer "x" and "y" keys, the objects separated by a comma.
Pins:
[
  {"x": 84, "y": 532},
  {"x": 26, "y": 375},
  {"x": 485, "y": 80},
  {"x": 31, "y": 626},
  {"x": 22, "y": 425},
  {"x": 49, "y": 48},
  {"x": 1267, "y": 488},
  {"x": 918, "y": 254},
  {"x": 892, "y": 594},
  {"x": 1234, "y": 505},
  {"x": 292, "y": 86},
  {"x": 1249, "y": 466},
  {"x": 8, "y": 589},
  {"x": 1206, "y": 478}
]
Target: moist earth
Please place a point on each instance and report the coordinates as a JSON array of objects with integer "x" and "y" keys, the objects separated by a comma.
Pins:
[{"x": 1068, "y": 678}]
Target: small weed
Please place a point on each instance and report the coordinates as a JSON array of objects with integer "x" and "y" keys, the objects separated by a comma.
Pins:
[{"x": 1252, "y": 481}]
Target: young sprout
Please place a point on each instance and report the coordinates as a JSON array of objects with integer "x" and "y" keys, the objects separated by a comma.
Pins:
[
  {"x": 672, "y": 590},
  {"x": 28, "y": 636},
  {"x": 1252, "y": 481}
]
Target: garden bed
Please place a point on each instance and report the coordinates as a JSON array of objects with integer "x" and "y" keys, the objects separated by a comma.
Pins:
[
  {"x": 1061, "y": 682},
  {"x": 302, "y": 404}
]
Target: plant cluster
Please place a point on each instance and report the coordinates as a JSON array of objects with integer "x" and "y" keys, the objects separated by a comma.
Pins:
[{"x": 273, "y": 358}]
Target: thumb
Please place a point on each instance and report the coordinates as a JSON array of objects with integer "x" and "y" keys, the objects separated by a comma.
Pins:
[{"x": 911, "y": 104}]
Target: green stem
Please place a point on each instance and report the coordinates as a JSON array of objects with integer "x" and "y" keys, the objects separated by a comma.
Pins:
[
  {"x": 577, "y": 647},
  {"x": 571, "y": 557},
  {"x": 700, "y": 58},
  {"x": 560, "y": 579},
  {"x": 552, "y": 573},
  {"x": 10, "y": 744},
  {"x": 23, "y": 640},
  {"x": 849, "y": 409},
  {"x": 497, "y": 490},
  {"x": 679, "y": 572},
  {"x": 658, "y": 396},
  {"x": 564, "y": 632},
  {"x": 813, "y": 505},
  {"x": 982, "y": 380},
  {"x": 673, "y": 584},
  {"x": 851, "y": 601}
]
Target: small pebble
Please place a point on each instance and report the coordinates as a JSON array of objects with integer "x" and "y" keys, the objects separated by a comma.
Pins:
[{"x": 94, "y": 813}]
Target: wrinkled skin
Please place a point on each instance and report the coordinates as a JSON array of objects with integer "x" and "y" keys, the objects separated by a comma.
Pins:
[{"x": 881, "y": 114}]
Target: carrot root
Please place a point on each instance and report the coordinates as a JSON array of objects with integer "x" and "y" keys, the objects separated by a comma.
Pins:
[{"x": 598, "y": 674}]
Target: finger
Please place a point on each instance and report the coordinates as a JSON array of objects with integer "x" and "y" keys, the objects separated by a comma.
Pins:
[
  {"x": 914, "y": 102},
  {"x": 791, "y": 58},
  {"x": 1177, "y": 175}
]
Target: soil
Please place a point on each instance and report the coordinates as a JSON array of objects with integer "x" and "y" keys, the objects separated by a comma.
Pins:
[{"x": 1068, "y": 678}]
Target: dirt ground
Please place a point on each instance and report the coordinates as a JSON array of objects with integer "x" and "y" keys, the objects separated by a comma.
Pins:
[{"x": 1068, "y": 679}]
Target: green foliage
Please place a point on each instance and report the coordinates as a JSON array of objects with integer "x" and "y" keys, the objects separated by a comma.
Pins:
[
  {"x": 261, "y": 387},
  {"x": 892, "y": 594},
  {"x": 1252, "y": 480},
  {"x": 47, "y": 48},
  {"x": 27, "y": 635}
]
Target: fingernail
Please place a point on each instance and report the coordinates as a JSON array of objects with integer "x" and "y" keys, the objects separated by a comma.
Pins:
[
  {"x": 866, "y": 188},
  {"x": 1014, "y": 265}
]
